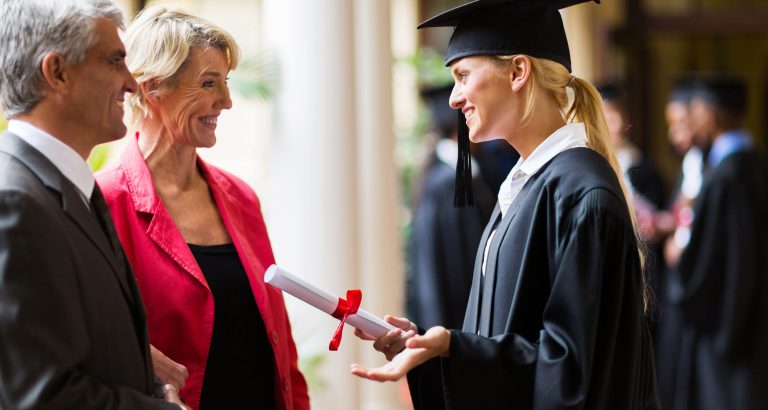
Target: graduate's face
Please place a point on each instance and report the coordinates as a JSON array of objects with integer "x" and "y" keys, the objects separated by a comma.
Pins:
[
  {"x": 615, "y": 121},
  {"x": 190, "y": 110},
  {"x": 703, "y": 121},
  {"x": 679, "y": 126},
  {"x": 483, "y": 93}
]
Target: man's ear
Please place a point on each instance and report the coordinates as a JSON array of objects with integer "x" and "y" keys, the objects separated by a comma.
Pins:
[
  {"x": 151, "y": 91},
  {"x": 54, "y": 71},
  {"x": 519, "y": 72}
]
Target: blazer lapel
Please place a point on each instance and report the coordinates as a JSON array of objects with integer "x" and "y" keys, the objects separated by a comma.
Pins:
[
  {"x": 486, "y": 309},
  {"x": 162, "y": 229},
  {"x": 72, "y": 203},
  {"x": 251, "y": 242},
  {"x": 476, "y": 293}
]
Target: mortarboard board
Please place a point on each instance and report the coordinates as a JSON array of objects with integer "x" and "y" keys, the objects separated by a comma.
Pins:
[
  {"x": 500, "y": 27},
  {"x": 725, "y": 91}
]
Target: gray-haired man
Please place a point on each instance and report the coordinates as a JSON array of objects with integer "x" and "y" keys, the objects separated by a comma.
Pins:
[{"x": 72, "y": 324}]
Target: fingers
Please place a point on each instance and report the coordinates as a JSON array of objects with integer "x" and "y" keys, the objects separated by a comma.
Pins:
[
  {"x": 362, "y": 335},
  {"x": 401, "y": 322},
  {"x": 379, "y": 375},
  {"x": 437, "y": 340},
  {"x": 390, "y": 337}
]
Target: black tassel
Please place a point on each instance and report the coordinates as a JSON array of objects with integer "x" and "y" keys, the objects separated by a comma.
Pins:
[{"x": 463, "y": 193}]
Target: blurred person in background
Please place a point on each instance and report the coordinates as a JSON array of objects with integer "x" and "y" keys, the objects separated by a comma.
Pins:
[
  {"x": 443, "y": 241},
  {"x": 556, "y": 316},
  {"x": 195, "y": 233},
  {"x": 73, "y": 331},
  {"x": 640, "y": 176},
  {"x": 718, "y": 281},
  {"x": 676, "y": 221}
]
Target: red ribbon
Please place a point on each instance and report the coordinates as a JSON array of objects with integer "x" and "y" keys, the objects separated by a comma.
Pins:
[{"x": 343, "y": 309}]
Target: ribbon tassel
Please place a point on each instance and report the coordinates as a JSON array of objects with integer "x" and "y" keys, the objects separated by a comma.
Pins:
[{"x": 344, "y": 308}]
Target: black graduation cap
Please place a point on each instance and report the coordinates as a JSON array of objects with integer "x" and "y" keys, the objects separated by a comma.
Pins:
[
  {"x": 682, "y": 89},
  {"x": 442, "y": 115},
  {"x": 500, "y": 27},
  {"x": 610, "y": 91},
  {"x": 724, "y": 91}
]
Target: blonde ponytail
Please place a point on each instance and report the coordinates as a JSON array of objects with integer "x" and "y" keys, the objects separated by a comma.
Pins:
[{"x": 586, "y": 107}]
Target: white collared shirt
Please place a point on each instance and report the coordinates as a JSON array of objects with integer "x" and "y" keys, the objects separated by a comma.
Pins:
[
  {"x": 67, "y": 160},
  {"x": 568, "y": 136}
]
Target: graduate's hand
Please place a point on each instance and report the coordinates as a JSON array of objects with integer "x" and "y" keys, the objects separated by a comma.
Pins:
[
  {"x": 436, "y": 342},
  {"x": 392, "y": 342}
]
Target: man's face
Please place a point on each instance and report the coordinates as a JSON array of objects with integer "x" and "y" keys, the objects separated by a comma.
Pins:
[
  {"x": 703, "y": 121},
  {"x": 98, "y": 87}
]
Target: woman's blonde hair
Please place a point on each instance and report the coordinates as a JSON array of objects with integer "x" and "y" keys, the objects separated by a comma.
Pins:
[
  {"x": 158, "y": 43},
  {"x": 586, "y": 107}
]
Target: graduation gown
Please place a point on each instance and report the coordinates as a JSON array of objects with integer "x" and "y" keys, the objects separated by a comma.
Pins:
[
  {"x": 557, "y": 321},
  {"x": 719, "y": 291},
  {"x": 442, "y": 246}
]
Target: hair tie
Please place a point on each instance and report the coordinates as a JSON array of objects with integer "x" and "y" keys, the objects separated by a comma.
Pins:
[{"x": 571, "y": 79}]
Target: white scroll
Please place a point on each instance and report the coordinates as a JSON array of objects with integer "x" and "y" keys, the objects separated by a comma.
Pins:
[{"x": 322, "y": 300}]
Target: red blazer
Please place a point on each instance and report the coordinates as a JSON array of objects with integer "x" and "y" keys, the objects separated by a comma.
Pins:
[{"x": 178, "y": 301}]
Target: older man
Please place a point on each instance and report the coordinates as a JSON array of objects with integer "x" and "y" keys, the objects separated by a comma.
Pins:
[{"x": 72, "y": 324}]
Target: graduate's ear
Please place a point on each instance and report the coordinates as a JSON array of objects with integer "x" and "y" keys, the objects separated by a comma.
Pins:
[
  {"x": 519, "y": 71},
  {"x": 151, "y": 91},
  {"x": 54, "y": 71}
]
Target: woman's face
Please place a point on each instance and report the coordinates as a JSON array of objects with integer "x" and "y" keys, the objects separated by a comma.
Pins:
[
  {"x": 483, "y": 92},
  {"x": 615, "y": 121},
  {"x": 190, "y": 110}
]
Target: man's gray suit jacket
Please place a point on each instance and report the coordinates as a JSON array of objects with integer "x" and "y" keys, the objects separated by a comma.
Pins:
[{"x": 72, "y": 324}]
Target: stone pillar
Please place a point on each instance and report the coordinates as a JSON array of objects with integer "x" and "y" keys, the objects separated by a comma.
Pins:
[
  {"x": 380, "y": 266},
  {"x": 311, "y": 197}
]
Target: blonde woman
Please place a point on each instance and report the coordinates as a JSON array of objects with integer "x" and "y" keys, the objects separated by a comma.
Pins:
[
  {"x": 555, "y": 318},
  {"x": 193, "y": 232}
]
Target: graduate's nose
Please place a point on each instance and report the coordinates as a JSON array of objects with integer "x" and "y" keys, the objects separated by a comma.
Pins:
[{"x": 457, "y": 99}]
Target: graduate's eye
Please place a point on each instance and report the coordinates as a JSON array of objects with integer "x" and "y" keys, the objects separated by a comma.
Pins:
[
  {"x": 209, "y": 84},
  {"x": 226, "y": 80}
]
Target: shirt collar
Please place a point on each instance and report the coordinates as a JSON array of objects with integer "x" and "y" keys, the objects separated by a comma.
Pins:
[
  {"x": 63, "y": 157},
  {"x": 727, "y": 144},
  {"x": 568, "y": 136}
]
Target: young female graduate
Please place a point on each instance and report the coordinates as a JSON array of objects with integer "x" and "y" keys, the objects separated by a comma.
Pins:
[{"x": 555, "y": 317}]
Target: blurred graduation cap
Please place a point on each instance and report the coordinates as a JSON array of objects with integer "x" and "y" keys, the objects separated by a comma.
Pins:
[
  {"x": 724, "y": 91},
  {"x": 500, "y": 27},
  {"x": 442, "y": 115},
  {"x": 610, "y": 91},
  {"x": 682, "y": 90}
]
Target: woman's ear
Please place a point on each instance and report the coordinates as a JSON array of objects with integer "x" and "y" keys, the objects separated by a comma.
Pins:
[
  {"x": 151, "y": 91},
  {"x": 519, "y": 72}
]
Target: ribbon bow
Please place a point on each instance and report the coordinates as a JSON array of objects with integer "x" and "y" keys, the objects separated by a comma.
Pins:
[{"x": 343, "y": 309}]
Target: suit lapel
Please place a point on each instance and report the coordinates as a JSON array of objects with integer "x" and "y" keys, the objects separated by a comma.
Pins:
[
  {"x": 486, "y": 309},
  {"x": 476, "y": 292},
  {"x": 72, "y": 203}
]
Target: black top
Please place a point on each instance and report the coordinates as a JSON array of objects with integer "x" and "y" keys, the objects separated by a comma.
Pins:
[
  {"x": 558, "y": 320},
  {"x": 240, "y": 372}
]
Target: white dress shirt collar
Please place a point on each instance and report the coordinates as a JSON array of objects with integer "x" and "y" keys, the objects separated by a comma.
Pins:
[
  {"x": 67, "y": 160},
  {"x": 569, "y": 136}
]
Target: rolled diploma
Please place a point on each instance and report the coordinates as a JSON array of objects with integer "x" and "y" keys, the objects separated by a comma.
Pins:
[{"x": 322, "y": 300}]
